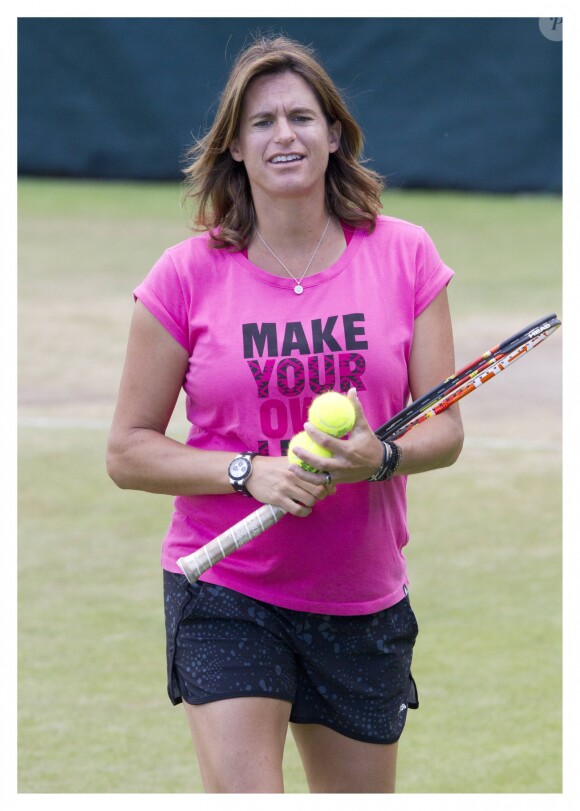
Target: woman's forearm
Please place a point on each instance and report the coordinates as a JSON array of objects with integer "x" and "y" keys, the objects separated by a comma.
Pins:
[
  {"x": 146, "y": 460},
  {"x": 149, "y": 461},
  {"x": 433, "y": 444}
]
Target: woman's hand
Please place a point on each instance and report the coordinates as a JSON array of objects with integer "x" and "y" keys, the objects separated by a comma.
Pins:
[
  {"x": 274, "y": 481},
  {"x": 353, "y": 460}
]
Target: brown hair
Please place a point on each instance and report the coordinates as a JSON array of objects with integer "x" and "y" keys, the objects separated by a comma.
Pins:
[{"x": 220, "y": 184}]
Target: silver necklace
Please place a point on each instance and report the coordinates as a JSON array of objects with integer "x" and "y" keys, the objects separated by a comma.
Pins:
[{"x": 298, "y": 289}]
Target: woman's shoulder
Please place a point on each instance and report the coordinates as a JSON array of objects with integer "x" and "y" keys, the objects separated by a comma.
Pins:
[
  {"x": 394, "y": 232},
  {"x": 387, "y": 224},
  {"x": 196, "y": 251},
  {"x": 197, "y": 243}
]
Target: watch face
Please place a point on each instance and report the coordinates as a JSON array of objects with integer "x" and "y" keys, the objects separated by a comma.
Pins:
[{"x": 239, "y": 468}]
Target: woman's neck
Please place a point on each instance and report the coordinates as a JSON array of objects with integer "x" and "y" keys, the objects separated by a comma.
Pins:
[
  {"x": 294, "y": 244},
  {"x": 290, "y": 223}
]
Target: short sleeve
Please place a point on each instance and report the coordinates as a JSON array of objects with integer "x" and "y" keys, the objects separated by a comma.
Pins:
[
  {"x": 432, "y": 274},
  {"x": 162, "y": 293}
]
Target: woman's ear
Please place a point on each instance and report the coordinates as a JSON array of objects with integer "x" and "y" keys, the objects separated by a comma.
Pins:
[
  {"x": 235, "y": 150},
  {"x": 335, "y": 131}
]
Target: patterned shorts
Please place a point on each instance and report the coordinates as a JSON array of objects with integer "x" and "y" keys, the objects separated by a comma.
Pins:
[{"x": 349, "y": 673}]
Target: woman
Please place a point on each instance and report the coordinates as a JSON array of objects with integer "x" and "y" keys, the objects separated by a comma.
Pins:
[{"x": 296, "y": 285}]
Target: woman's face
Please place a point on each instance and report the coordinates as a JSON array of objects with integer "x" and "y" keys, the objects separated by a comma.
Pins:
[{"x": 284, "y": 139}]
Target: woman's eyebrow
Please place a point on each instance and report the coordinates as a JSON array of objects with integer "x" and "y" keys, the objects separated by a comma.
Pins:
[{"x": 292, "y": 111}]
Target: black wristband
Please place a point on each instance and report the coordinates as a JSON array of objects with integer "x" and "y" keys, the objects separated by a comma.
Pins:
[
  {"x": 392, "y": 455},
  {"x": 376, "y": 477},
  {"x": 394, "y": 460}
]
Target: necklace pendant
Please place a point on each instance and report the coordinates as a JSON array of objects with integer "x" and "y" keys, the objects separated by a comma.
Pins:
[{"x": 298, "y": 289}]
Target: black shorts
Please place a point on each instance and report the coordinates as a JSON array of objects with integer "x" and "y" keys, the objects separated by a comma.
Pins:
[{"x": 350, "y": 673}]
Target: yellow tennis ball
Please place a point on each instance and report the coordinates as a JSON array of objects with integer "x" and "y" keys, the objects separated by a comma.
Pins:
[
  {"x": 332, "y": 413},
  {"x": 303, "y": 441}
]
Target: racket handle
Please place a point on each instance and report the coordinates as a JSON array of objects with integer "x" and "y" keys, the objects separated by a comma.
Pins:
[{"x": 194, "y": 565}]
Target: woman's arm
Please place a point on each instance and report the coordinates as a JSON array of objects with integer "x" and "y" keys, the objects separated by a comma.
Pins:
[
  {"x": 436, "y": 442},
  {"x": 141, "y": 457},
  {"x": 432, "y": 444}
]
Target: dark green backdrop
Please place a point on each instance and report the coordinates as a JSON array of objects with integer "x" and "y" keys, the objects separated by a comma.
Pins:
[{"x": 451, "y": 103}]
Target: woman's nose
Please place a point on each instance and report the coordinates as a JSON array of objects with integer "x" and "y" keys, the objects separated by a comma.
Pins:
[{"x": 284, "y": 132}]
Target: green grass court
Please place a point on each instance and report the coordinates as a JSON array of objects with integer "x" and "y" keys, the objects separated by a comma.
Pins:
[{"x": 485, "y": 554}]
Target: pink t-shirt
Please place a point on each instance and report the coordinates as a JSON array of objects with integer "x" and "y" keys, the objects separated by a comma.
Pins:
[{"x": 258, "y": 355}]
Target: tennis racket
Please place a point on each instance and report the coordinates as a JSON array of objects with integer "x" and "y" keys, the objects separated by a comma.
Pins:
[{"x": 433, "y": 402}]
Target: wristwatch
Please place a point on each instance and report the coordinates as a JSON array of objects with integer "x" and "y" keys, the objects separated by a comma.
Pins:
[{"x": 240, "y": 470}]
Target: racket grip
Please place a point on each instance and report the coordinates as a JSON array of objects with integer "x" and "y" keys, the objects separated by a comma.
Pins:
[{"x": 194, "y": 565}]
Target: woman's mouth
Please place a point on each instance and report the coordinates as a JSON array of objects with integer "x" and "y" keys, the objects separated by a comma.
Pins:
[{"x": 285, "y": 159}]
